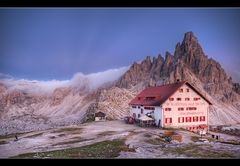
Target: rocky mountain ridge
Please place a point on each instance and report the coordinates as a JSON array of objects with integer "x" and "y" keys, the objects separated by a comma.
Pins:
[
  {"x": 189, "y": 63},
  {"x": 23, "y": 111}
]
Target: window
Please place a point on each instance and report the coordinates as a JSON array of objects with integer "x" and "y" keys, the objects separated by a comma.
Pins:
[
  {"x": 191, "y": 108},
  {"x": 171, "y": 99},
  {"x": 195, "y": 119},
  {"x": 138, "y": 106},
  {"x": 134, "y": 107},
  {"x": 138, "y": 115},
  {"x": 180, "y": 119},
  {"x": 149, "y": 108},
  {"x": 141, "y": 111},
  {"x": 178, "y": 99},
  {"x": 187, "y": 99},
  {"x": 168, "y": 109},
  {"x": 188, "y": 119},
  {"x": 168, "y": 120},
  {"x": 187, "y": 90},
  {"x": 181, "y": 90},
  {"x": 181, "y": 109},
  {"x": 196, "y": 98},
  {"x": 202, "y": 118}
]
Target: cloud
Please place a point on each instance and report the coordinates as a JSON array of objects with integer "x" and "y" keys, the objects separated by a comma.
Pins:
[
  {"x": 5, "y": 76},
  {"x": 79, "y": 80}
]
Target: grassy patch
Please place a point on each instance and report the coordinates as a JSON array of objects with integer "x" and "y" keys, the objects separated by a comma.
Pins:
[
  {"x": 72, "y": 142},
  {"x": 156, "y": 141},
  {"x": 104, "y": 133},
  {"x": 34, "y": 135},
  {"x": 195, "y": 138},
  {"x": 105, "y": 149},
  {"x": 147, "y": 135},
  {"x": 12, "y": 135},
  {"x": 3, "y": 142},
  {"x": 234, "y": 132},
  {"x": 233, "y": 142},
  {"x": 74, "y": 129},
  {"x": 61, "y": 135},
  {"x": 132, "y": 133},
  {"x": 210, "y": 139},
  {"x": 199, "y": 151}
]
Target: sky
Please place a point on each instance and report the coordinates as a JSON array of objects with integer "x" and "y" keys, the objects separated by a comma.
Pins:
[{"x": 56, "y": 43}]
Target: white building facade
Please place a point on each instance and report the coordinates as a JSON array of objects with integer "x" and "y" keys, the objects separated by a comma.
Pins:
[{"x": 183, "y": 107}]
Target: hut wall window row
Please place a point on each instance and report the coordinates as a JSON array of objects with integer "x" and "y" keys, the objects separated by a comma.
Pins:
[{"x": 177, "y": 105}]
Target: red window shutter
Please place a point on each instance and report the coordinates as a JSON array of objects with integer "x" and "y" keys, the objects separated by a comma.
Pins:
[
  {"x": 196, "y": 118},
  {"x": 170, "y": 120},
  {"x": 165, "y": 120},
  {"x": 182, "y": 119},
  {"x": 190, "y": 118},
  {"x": 178, "y": 119}
]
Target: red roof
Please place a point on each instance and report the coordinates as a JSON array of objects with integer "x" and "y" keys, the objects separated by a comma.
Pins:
[{"x": 161, "y": 94}]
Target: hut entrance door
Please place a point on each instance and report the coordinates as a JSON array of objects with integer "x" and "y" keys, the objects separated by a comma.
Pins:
[{"x": 159, "y": 123}]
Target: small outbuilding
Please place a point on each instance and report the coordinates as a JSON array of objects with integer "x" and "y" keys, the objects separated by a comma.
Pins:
[{"x": 100, "y": 116}]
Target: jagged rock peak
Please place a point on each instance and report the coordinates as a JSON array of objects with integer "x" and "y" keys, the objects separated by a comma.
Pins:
[
  {"x": 190, "y": 37},
  {"x": 160, "y": 58},
  {"x": 168, "y": 57},
  {"x": 147, "y": 60},
  {"x": 190, "y": 45}
]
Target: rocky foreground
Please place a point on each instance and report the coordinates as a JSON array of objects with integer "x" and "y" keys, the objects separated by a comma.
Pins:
[{"x": 115, "y": 139}]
